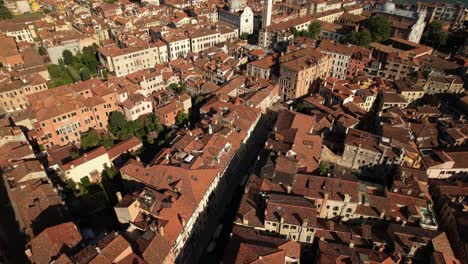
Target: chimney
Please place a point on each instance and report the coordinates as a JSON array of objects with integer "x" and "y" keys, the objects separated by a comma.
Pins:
[
  {"x": 347, "y": 198},
  {"x": 28, "y": 252},
  {"x": 351, "y": 244},
  {"x": 137, "y": 158},
  {"x": 210, "y": 129},
  {"x": 161, "y": 230},
  {"x": 382, "y": 214},
  {"x": 305, "y": 221},
  {"x": 282, "y": 220},
  {"x": 182, "y": 220},
  {"x": 98, "y": 250},
  {"x": 382, "y": 248},
  {"x": 288, "y": 189},
  {"x": 119, "y": 196}
]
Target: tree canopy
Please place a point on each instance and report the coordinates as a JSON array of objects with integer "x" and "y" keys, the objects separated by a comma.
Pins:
[
  {"x": 4, "y": 12},
  {"x": 244, "y": 36},
  {"x": 123, "y": 129},
  {"x": 177, "y": 88},
  {"x": 361, "y": 38},
  {"x": 90, "y": 139},
  {"x": 379, "y": 27},
  {"x": 68, "y": 57},
  {"x": 59, "y": 75},
  {"x": 182, "y": 118},
  {"x": 73, "y": 68},
  {"x": 435, "y": 36},
  {"x": 312, "y": 31}
]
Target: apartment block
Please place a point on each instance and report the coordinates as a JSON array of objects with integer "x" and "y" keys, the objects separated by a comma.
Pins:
[
  {"x": 444, "y": 84},
  {"x": 177, "y": 194},
  {"x": 409, "y": 90},
  {"x": 10, "y": 57},
  {"x": 449, "y": 164},
  {"x": 167, "y": 114},
  {"x": 20, "y": 32},
  {"x": 178, "y": 44},
  {"x": 63, "y": 113},
  {"x": 299, "y": 69},
  {"x": 341, "y": 56},
  {"x": 203, "y": 38},
  {"x": 14, "y": 94},
  {"x": 124, "y": 61},
  {"x": 150, "y": 80},
  {"x": 136, "y": 105},
  {"x": 363, "y": 149}
]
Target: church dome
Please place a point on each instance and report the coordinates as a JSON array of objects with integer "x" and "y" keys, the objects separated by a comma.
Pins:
[{"x": 388, "y": 7}]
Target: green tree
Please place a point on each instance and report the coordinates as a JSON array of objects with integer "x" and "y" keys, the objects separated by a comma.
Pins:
[
  {"x": 244, "y": 36},
  {"x": 177, "y": 88},
  {"x": 361, "y": 38},
  {"x": 88, "y": 58},
  {"x": 313, "y": 30},
  {"x": 85, "y": 74},
  {"x": 379, "y": 27},
  {"x": 294, "y": 31},
  {"x": 70, "y": 184},
  {"x": 435, "y": 36},
  {"x": 73, "y": 73},
  {"x": 85, "y": 181},
  {"x": 58, "y": 75},
  {"x": 152, "y": 123},
  {"x": 182, "y": 118},
  {"x": 107, "y": 141},
  {"x": 4, "y": 12},
  {"x": 74, "y": 153},
  {"x": 136, "y": 128},
  {"x": 42, "y": 51},
  {"x": 117, "y": 122},
  {"x": 323, "y": 169},
  {"x": 68, "y": 57},
  {"x": 90, "y": 139}
]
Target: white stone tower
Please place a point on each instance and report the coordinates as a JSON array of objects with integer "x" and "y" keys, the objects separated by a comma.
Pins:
[{"x": 267, "y": 7}]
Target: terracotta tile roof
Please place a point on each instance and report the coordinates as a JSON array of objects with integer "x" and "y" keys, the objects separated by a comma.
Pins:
[
  {"x": 317, "y": 187},
  {"x": 24, "y": 168},
  {"x": 194, "y": 184},
  {"x": 89, "y": 156},
  {"x": 293, "y": 210},
  {"x": 53, "y": 241},
  {"x": 130, "y": 144},
  {"x": 248, "y": 246},
  {"x": 114, "y": 249}
]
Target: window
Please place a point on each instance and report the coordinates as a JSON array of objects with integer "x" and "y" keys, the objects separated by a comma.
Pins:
[{"x": 335, "y": 208}]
